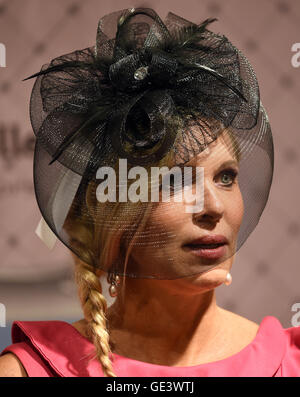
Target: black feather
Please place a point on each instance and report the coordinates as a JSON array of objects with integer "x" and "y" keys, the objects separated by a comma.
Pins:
[
  {"x": 189, "y": 35},
  {"x": 215, "y": 74},
  {"x": 60, "y": 67}
]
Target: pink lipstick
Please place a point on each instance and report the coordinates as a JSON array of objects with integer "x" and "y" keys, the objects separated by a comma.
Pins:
[{"x": 211, "y": 247}]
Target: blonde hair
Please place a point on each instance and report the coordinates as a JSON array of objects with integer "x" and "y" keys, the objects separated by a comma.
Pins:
[{"x": 101, "y": 246}]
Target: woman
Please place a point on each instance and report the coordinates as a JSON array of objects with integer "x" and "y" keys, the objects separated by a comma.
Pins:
[{"x": 164, "y": 254}]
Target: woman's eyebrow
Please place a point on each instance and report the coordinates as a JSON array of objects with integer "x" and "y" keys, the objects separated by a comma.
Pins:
[{"x": 228, "y": 163}]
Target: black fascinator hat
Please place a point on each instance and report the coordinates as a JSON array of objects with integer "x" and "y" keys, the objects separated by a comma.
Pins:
[{"x": 151, "y": 93}]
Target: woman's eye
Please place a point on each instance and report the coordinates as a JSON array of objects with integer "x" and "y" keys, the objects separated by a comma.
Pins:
[{"x": 228, "y": 177}]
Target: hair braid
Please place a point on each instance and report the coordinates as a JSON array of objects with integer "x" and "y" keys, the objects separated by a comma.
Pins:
[{"x": 94, "y": 307}]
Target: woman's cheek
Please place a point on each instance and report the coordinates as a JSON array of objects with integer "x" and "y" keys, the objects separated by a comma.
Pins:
[
  {"x": 169, "y": 216},
  {"x": 236, "y": 211}
]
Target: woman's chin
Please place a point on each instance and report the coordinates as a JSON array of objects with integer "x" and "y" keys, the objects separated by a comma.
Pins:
[{"x": 211, "y": 278}]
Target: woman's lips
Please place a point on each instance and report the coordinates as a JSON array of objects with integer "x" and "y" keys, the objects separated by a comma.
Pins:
[
  {"x": 208, "y": 251},
  {"x": 212, "y": 247}
]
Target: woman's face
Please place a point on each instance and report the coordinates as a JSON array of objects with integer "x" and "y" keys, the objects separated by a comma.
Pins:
[{"x": 171, "y": 227}]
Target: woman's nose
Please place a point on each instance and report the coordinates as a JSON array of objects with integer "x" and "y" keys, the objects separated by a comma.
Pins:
[{"x": 213, "y": 206}]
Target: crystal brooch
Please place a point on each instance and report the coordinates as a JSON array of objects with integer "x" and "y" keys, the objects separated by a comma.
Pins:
[{"x": 141, "y": 73}]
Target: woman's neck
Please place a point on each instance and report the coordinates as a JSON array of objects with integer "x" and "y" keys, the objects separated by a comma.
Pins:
[{"x": 165, "y": 326}]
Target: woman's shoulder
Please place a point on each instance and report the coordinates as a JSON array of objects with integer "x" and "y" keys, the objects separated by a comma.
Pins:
[
  {"x": 275, "y": 345},
  {"x": 238, "y": 319},
  {"x": 46, "y": 348},
  {"x": 284, "y": 341},
  {"x": 27, "y": 355},
  {"x": 11, "y": 366}
]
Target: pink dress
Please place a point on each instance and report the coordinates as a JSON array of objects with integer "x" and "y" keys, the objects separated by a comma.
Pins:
[{"x": 56, "y": 348}]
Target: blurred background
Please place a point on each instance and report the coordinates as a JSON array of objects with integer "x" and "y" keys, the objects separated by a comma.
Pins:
[{"x": 36, "y": 283}]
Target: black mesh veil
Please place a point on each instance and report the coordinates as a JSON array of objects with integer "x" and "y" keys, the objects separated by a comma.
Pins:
[{"x": 151, "y": 96}]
